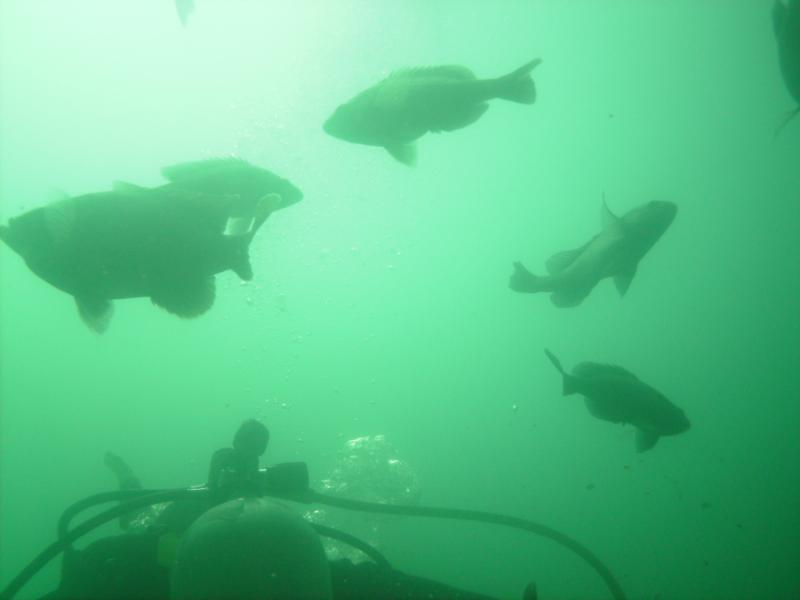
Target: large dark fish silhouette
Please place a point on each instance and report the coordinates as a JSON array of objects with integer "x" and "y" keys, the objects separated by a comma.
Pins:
[
  {"x": 615, "y": 394},
  {"x": 165, "y": 243},
  {"x": 614, "y": 252},
  {"x": 409, "y": 103},
  {"x": 786, "y": 23}
]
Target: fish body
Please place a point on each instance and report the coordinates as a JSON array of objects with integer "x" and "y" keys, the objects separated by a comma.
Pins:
[
  {"x": 165, "y": 243},
  {"x": 616, "y": 395},
  {"x": 615, "y": 252},
  {"x": 409, "y": 103},
  {"x": 786, "y": 26}
]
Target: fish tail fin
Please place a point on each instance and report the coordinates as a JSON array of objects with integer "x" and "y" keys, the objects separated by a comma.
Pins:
[
  {"x": 787, "y": 118},
  {"x": 524, "y": 281},
  {"x": 569, "y": 380},
  {"x": 518, "y": 85}
]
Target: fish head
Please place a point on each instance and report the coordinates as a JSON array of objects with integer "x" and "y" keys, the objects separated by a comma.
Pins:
[
  {"x": 27, "y": 235},
  {"x": 353, "y": 122},
  {"x": 678, "y": 422},
  {"x": 342, "y": 123},
  {"x": 651, "y": 220},
  {"x": 289, "y": 193}
]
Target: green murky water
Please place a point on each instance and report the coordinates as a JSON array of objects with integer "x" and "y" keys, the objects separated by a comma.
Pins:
[{"x": 380, "y": 303}]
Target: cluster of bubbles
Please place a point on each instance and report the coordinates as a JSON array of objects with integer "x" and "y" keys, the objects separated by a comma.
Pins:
[{"x": 366, "y": 468}]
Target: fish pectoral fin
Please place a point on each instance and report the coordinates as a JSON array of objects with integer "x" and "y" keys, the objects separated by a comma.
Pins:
[
  {"x": 405, "y": 153},
  {"x": 622, "y": 280},
  {"x": 95, "y": 312},
  {"x": 458, "y": 119},
  {"x": 645, "y": 439},
  {"x": 265, "y": 206},
  {"x": 185, "y": 297}
]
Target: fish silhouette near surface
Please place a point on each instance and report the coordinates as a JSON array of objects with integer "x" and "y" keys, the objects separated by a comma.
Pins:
[
  {"x": 614, "y": 252},
  {"x": 185, "y": 9},
  {"x": 166, "y": 243},
  {"x": 409, "y": 103},
  {"x": 786, "y": 24},
  {"x": 615, "y": 394}
]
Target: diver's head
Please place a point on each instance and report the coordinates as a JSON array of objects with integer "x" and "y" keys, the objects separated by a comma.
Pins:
[{"x": 250, "y": 549}]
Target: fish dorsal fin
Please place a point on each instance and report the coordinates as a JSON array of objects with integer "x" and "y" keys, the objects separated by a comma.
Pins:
[
  {"x": 127, "y": 188},
  {"x": 608, "y": 218},
  {"x": 778, "y": 16},
  {"x": 560, "y": 261},
  {"x": 405, "y": 153},
  {"x": 593, "y": 369},
  {"x": 451, "y": 72},
  {"x": 645, "y": 440},
  {"x": 200, "y": 168},
  {"x": 622, "y": 280}
]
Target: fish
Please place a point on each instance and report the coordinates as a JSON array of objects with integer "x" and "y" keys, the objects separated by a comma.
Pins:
[
  {"x": 615, "y": 252},
  {"x": 616, "y": 395},
  {"x": 166, "y": 243},
  {"x": 786, "y": 26},
  {"x": 185, "y": 9},
  {"x": 409, "y": 103}
]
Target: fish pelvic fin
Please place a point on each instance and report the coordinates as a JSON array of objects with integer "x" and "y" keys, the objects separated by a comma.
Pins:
[
  {"x": 645, "y": 440},
  {"x": 95, "y": 312},
  {"x": 787, "y": 118},
  {"x": 518, "y": 85},
  {"x": 405, "y": 153},
  {"x": 524, "y": 281},
  {"x": 186, "y": 297}
]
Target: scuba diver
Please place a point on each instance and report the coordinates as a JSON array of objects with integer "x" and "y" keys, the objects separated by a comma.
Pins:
[{"x": 236, "y": 537}]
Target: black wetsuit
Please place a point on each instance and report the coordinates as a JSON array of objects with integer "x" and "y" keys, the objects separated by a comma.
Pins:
[{"x": 125, "y": 567}]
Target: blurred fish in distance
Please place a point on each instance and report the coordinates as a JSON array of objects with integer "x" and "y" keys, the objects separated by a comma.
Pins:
[{"x": 185, "y": 9}]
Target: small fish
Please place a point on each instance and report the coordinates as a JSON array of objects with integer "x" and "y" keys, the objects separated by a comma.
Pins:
[
  {"x": 409, "y": 103},
  {"x": 165, "y": 243},
  {"x": 614, "y": 252},
  {"x": 615, "y": 394},
  {"x": 786, "y": 25},
  {"x": 185, "y": 9}
]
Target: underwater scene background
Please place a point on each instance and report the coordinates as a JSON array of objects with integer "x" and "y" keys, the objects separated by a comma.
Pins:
[{"x": 380, "y": 303}]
